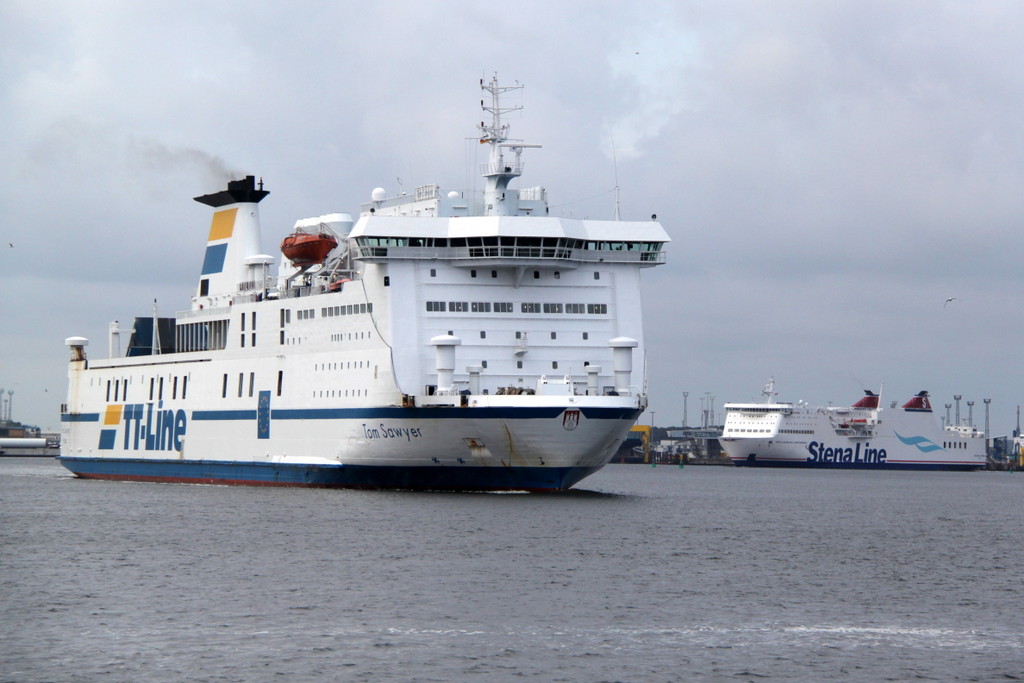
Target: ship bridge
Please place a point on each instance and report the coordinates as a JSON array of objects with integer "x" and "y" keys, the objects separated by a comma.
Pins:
[{"x": 512, "y": 241}]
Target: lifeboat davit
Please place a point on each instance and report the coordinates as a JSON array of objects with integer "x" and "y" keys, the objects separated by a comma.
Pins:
[{"x": 308, "y": 248}]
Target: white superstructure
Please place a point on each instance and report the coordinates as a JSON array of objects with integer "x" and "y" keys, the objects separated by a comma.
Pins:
[{"x": 448, "y": 341}]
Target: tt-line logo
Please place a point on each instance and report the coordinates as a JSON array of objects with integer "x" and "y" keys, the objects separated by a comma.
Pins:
[{"x": 146, "y": 427}]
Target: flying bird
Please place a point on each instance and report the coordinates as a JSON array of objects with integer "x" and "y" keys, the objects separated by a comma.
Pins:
[
  {"x": 11, "y": 245},
  {"x": 952, "y": 298}
]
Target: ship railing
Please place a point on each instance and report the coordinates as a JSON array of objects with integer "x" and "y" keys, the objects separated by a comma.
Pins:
[
  {"x": 500, "y": 167},
  {"x": 848, "y": 431},
  {"x": 199, "y": 313},
  {"x": 497, "y": 253},
  {"x": 262, "y": 295},
  {"x": 301, "y": 291},
  {"x": 578, "y": 388}
]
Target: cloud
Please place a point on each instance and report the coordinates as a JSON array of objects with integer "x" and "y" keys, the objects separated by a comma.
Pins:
[{"x": 825, "y": 169}]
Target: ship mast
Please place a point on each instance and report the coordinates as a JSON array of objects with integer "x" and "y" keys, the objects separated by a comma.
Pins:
[{"x": 499, "y": 171}]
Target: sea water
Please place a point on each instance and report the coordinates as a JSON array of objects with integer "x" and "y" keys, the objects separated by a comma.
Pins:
[{"x": 639, "y": 574}]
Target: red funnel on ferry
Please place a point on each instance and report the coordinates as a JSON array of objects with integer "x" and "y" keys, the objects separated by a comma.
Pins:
[
  {"x": 919, "y": 402},
  {"x": 869, "y": 401}
]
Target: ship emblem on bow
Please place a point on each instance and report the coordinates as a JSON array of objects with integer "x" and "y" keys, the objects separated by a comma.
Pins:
[{"x": 571, "y": 419}]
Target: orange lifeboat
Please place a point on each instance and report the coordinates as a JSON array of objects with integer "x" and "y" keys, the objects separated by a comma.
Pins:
[{"x": 308, "y": 248}]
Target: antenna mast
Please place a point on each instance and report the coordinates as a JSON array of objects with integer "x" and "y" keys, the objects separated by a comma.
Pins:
[{"x": 499, "y": 171}]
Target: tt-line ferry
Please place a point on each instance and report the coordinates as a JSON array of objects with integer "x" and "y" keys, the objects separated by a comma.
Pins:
[
  {"x": 862, "y": 436},
  {"x": 443, "y": 340}
]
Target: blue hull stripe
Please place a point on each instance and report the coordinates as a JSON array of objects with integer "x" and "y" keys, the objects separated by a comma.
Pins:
[
  {"x": 452, "y": 478},
  {"x": 80, "y": 417},
  {"x": 377, "y": 413},
  {"x": 957, "y": 467},
  {"x": 504, "y": 413},
  {"x": 224, "y": 414}
]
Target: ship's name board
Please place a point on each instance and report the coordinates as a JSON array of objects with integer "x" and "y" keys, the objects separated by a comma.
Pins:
[
  {"x": 146, "y": 427},
  {"x": 819, "y": 452},
  {"x": 382, "y": 431}
]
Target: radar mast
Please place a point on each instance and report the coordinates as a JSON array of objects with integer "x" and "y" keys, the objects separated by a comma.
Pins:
[{"x": 499, "y": 171}]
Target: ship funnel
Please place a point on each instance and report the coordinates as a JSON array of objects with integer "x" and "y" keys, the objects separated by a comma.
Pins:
[{"x": 234, "y": 237}]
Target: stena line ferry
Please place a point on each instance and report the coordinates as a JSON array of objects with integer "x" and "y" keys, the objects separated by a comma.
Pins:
[
  {"x": 862, "y": 436},
  {"x": 443, "y": 340}
]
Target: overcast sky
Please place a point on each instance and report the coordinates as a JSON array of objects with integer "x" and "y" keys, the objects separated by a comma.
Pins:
[{"x": 830, "y": 172}]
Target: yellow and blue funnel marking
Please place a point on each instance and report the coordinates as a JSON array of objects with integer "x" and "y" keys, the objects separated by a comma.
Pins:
[{"x": 221, "y": 228}]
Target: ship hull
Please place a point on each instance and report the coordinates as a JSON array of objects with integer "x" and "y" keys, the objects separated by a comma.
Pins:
[
  {"x": 538, "y": 448},
  {"x": 804, "y": 463},
  {"x": 438, "y": 478},
  {"x": 878, "y": 453}
]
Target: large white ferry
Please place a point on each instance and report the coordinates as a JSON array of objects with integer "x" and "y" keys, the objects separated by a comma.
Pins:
[
  {"x": 442, "y": 341},
  {"x": 862, "y": 436}
]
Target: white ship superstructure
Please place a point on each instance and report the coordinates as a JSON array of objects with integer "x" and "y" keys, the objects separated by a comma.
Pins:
[
  {"x": 862, "y": 436},
  {"x": 448, "y": 341}
]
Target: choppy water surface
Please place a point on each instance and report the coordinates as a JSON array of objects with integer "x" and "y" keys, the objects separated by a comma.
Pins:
[{"x": 644, "y": 574}]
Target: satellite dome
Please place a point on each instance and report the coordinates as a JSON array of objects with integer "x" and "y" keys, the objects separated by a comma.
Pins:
[
  {"x": 378, "y": 194},
  {"x": 453, "y": 195}
]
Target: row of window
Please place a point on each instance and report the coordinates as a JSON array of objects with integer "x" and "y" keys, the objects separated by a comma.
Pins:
[
  {"x": 508, "y": 241},
  {"x": 507, "y": 307},
  {"x": 250, "y": 382},
  {"x": 343, "y": 365},
  {"x": 117, "y": 389},
  {"x": 350, "y": 309},
  {"x": 349, "y": 336},
  {"x": 326, "y": 312},
  {"x": 337, "y": 393},
  {"x": 472, "y": 273}
]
